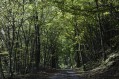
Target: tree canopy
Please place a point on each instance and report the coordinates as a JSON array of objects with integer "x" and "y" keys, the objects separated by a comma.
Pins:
[{"x": 38, "y": 34}]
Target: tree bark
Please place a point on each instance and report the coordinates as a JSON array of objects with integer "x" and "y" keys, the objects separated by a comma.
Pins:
[
  {"x": 1, "y": 69},
  {"x": 101, "y": 31}
]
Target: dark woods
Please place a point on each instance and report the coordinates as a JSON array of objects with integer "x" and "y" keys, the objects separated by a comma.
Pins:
[{"x": 36, "y": 35}]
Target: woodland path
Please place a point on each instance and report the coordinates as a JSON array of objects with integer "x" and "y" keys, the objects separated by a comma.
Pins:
[{"x": 66, "y": 74}]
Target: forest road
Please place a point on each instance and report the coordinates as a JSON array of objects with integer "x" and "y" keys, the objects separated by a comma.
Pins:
[{"x": 66, "y": 74}]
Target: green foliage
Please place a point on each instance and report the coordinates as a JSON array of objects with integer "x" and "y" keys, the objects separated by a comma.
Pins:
[{"x": 44, "y": 32}]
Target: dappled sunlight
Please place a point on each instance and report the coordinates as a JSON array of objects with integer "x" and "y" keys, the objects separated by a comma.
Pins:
[{"x": 59, "y": 39}]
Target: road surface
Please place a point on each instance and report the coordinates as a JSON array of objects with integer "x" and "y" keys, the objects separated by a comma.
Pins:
[{"x": 65, "y": 74}]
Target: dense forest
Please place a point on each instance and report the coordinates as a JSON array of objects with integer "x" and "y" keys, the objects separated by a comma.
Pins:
[{"x": 42, "y": 35}]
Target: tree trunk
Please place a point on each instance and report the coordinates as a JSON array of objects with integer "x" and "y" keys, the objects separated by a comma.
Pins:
[
  {"x": 37, "y": 42},
  {"x": 101, "y": 31},
  {"x": 1, "y": 70}
]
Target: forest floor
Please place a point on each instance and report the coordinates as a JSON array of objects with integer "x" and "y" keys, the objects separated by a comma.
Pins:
[
  {"x": 109, "y": 69},
  {"x": 60, "y": 74},
  {"x": 70, "y": 74},
  {"x": 54, "y": 74}
]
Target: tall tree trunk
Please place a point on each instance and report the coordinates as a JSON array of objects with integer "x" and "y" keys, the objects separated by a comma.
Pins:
[
  {"x": 101, "y": 31},
  {"x": 76, "y": 47},
  {"x": 37, "y": 41}
]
